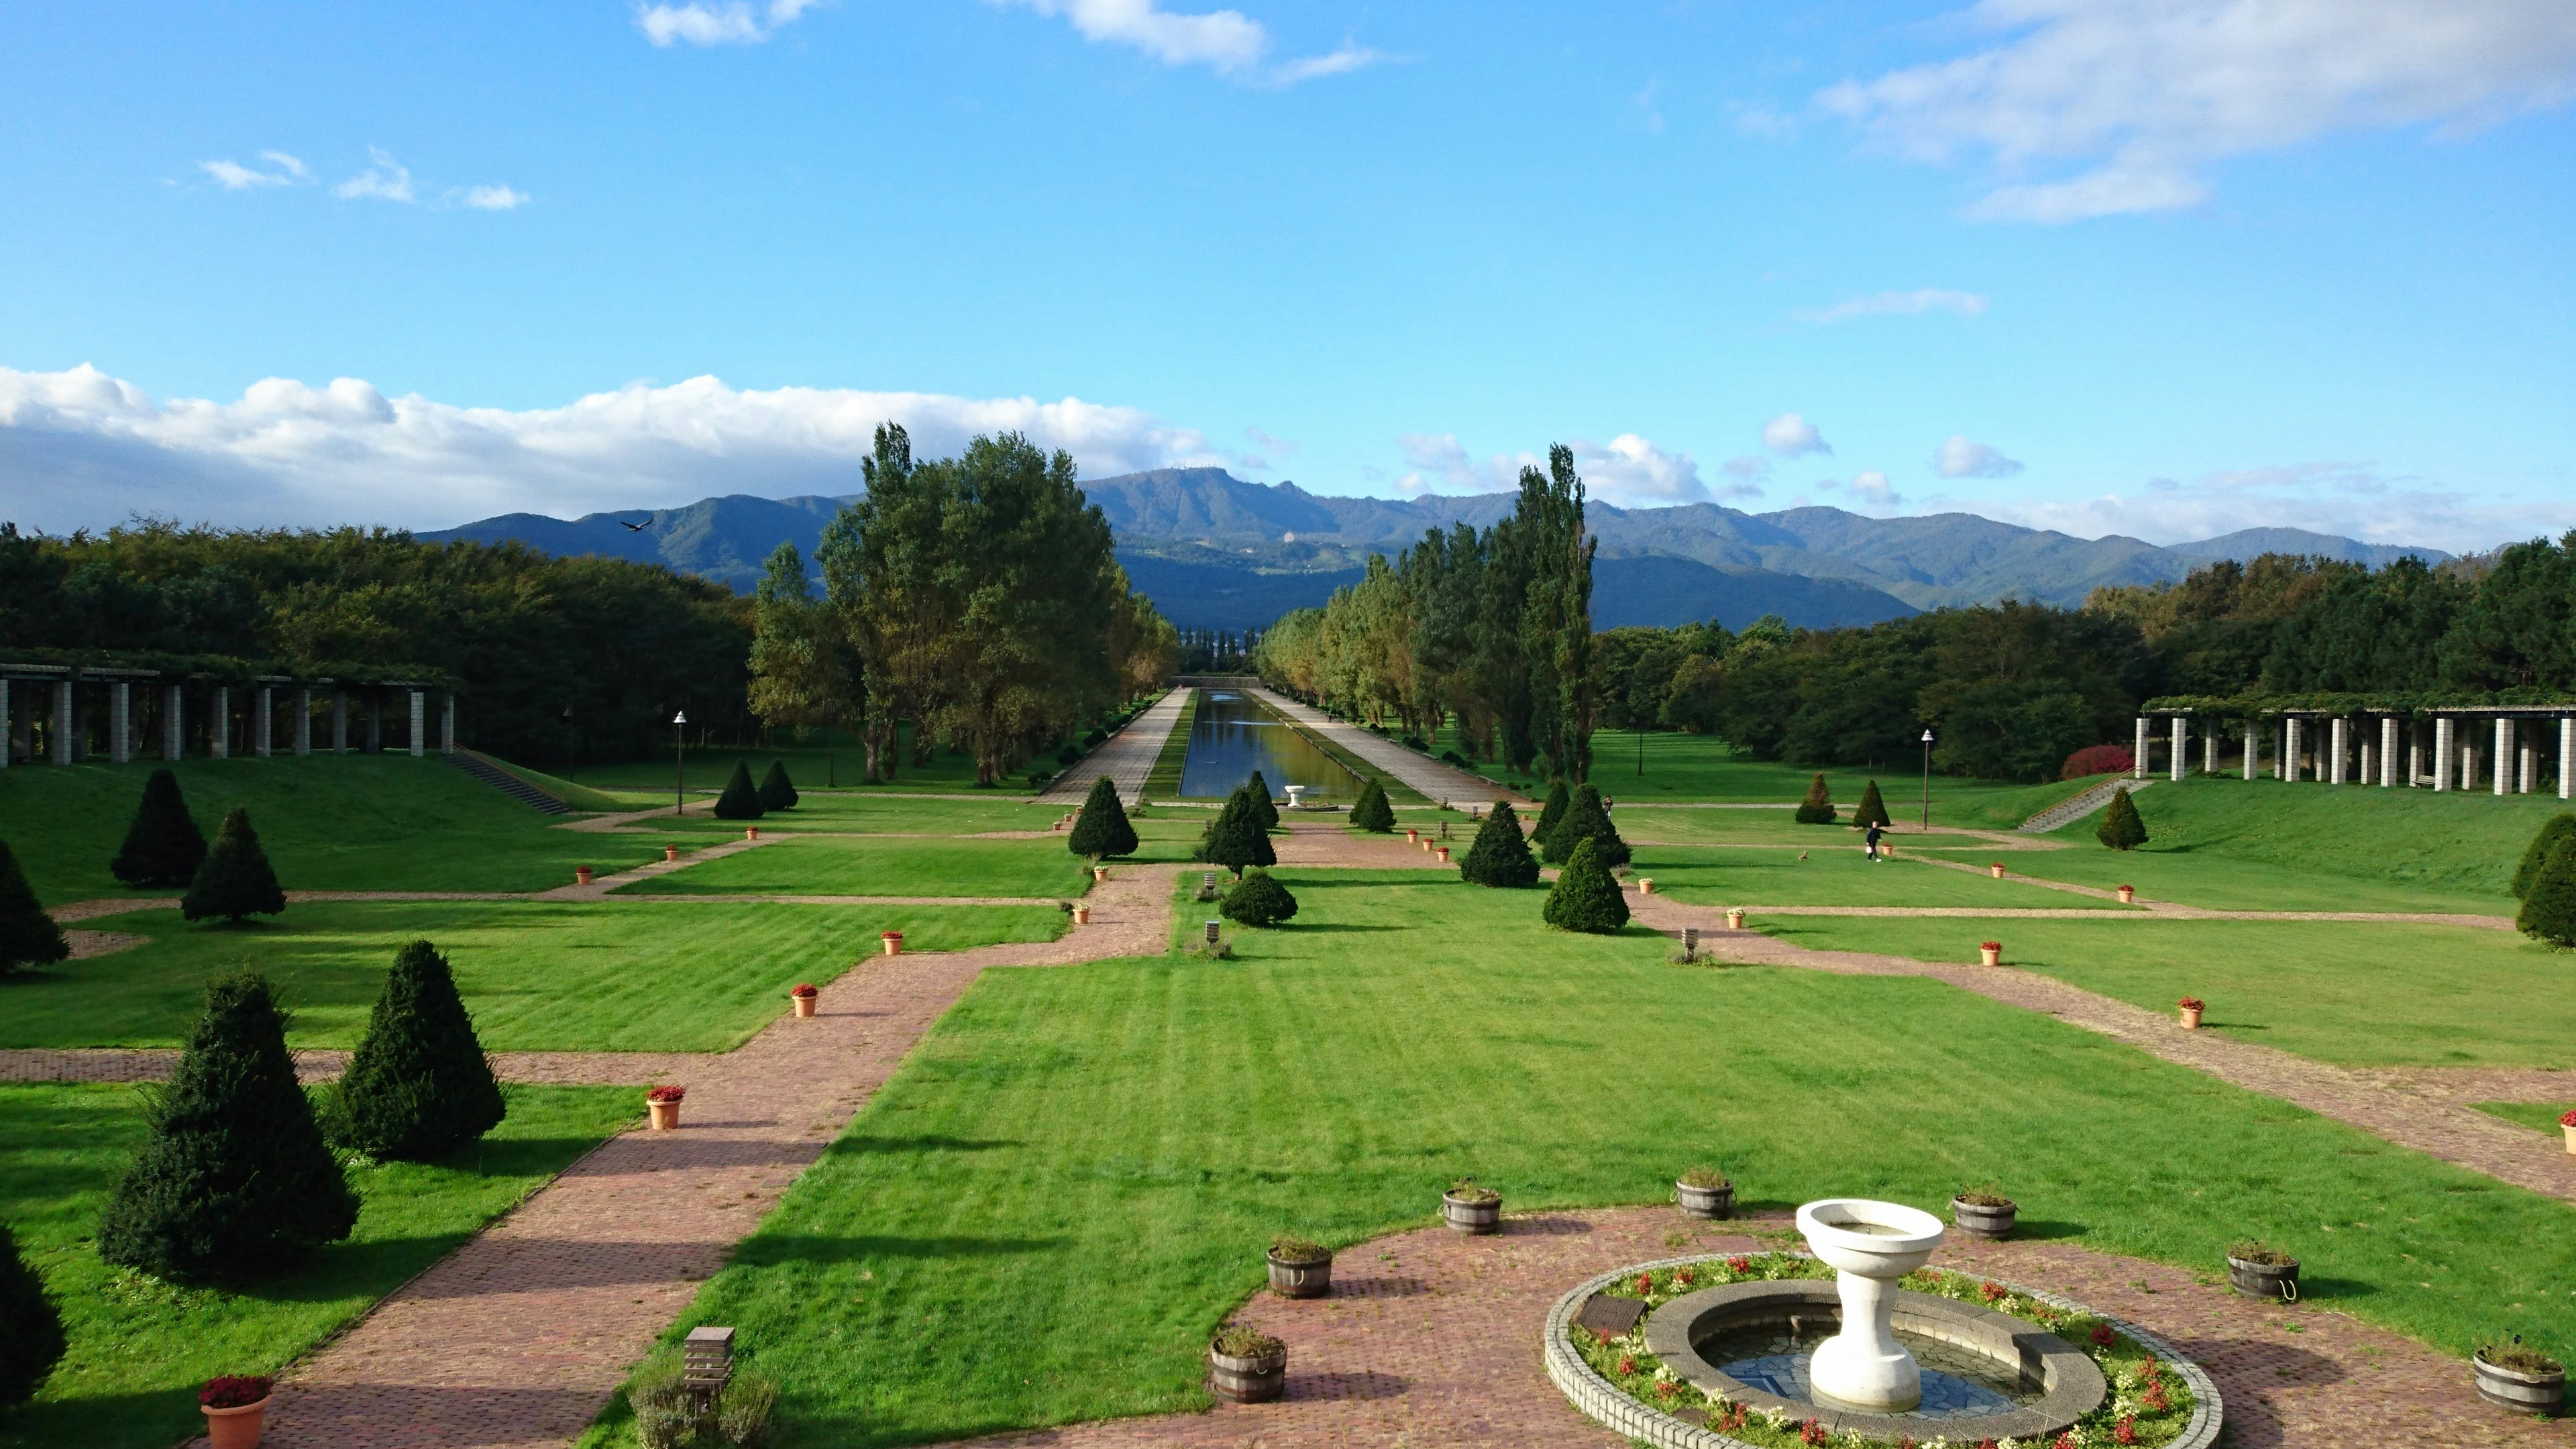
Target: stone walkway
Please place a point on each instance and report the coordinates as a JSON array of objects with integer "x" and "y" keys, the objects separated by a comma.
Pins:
[
  {"x": 1425, "y": 776},
  {"x": 1127, "y": 758},
  {"x": 1430, "y": 1339},
  {"x": 519, "y": 1337}
]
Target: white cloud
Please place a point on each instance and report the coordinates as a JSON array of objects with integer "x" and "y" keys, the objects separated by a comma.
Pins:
[
  {"x": 1225, "y": 41},
  {"x": 1870, "y": 490},
  {"x": 1791, "y": 436},
  {"x": 2350, "y": 499},
  {"x": 1439, "y": 455},
  {"x": 386, "y": 180},
  {"x": 493, "y": 198},
  {"x": 1963, "y": 458},
  {"x": 733, "y": 23},
  {"x": 1748, "y": 472},
  {"x": 1633, "y": 473},
  {"x": 2138, "y": 97},
  {"x": 1901, "y": 304},
  {"x": 233, "y": 176},
  {"x": 84, "y": 449}
]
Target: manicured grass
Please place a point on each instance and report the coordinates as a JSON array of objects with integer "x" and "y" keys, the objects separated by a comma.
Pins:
[
  {"x": 2538, "y": 1116},
  {"x": 1071, "y": 1181},
  {"x": 889, "y": 867},
  {"x": 537, "y": 975},
  {"x": 2354, "y": 994},
  {"x": 871, "y": 812},
  {"x": 1842, "y": 876},
  {"x": 140, "y": 1348},
  {"x": 2207, "y": 878},
  {"x": 347, "y": 822}
]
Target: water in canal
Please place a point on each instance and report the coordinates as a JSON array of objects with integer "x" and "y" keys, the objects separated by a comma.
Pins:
[{"x": 1234, "y": 736}]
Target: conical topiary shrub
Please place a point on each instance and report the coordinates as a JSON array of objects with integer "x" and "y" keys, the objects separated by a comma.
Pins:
[
  {"x": 1560, "y": 798},
  {"x": 741, "y": 799},
  {"x": 235, "y": 880},
  {"x": 28, "y": 937},
  {"x": 31, "y": 1331},
  {"x": 1265, "y": 809},
  {"x": 1586, "y": 897},
  {"x": 235, "y": 1181},
  {"x": 1374, "y": 811},
  {"x": 1818, "y": 807},
  {"x": 777, "y": 792},
  {"x": 2549, "y": 907},
  {"x": 1871, "y": 810},
  {"x": 418, "y": 1086},
  {"x": 163, "y": 847},
  {"x": 1235, "y": 839},
  {"x": 2536, "y": 854},
  {"x": 1500, "y": 857},
  {"x": 2121, "y": 829},
  {"x": 1258, "y": 900},
  {"x": 1103, "y": 829},
  {"x": 1586, "y": 819}
]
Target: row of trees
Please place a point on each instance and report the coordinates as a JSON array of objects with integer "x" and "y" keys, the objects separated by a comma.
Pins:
[
  {"x": 1491, "y": 629},
  {"x": 974, "y": 599}
]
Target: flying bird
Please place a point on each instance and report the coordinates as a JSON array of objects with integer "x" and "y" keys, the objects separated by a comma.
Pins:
[{"x": 639, "y": 527}]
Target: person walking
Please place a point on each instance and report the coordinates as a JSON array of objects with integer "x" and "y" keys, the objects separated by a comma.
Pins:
[{"x": 1874, "y": 833}]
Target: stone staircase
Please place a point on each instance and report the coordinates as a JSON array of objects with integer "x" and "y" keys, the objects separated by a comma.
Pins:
[
  {"x": 2080, "y": 806},
  {"x": 507, "y": 783}
]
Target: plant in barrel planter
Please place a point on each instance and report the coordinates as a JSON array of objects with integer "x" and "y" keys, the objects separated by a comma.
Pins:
[
  {"x": 2259, "y": 1270},
  {"x": 806, "y": 996},
  {"x": 1705, "y": 1193},
  {"x": 1472, "y": 1209},
  {"x": 1246, "y": 1366},
  {"x": 2526, "y": 1380},
  {"x": 1300, "y": 1269},
  {"x": 664, "y": 1103},
  {"x": 1982, "y": 1212},
  {"x": 236, "y": 1409},
  {"x": 2189, "y": 1009}
]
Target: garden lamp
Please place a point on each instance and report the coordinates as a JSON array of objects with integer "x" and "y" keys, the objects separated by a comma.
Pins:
[
  {"x": 679, "y": 776},
  {"x": 1927, "y": 780}
]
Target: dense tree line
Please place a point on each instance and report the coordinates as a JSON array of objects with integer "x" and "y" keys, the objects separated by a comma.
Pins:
[
  {"x": 1491, "y": 629},
  {"x": 621, "y": 645},
  {"x": 974, "y": 599}
]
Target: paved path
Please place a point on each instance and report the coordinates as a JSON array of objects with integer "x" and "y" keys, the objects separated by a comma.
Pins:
[
  {"x": 519, "y": 1337},
  {"x": 1424, "y": 775},
  {"x": 1127, "y": 758},
  {"x": 1430, "y": 1339}
]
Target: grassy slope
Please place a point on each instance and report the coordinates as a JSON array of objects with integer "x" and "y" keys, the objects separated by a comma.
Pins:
[
  {"x": 842, "y": 767},
  {"x": 865, "y": 811},
  {"x": 139, "y": 1348},
  {"x": 538, "y": 975},
  {"x": 1071, "y": 1181},
  {"x": 578, "y": 796},
  {"x": 353, "y": 822},
  {"x": 897, "y": 867},
  {"x": 1843, "y": 877}
]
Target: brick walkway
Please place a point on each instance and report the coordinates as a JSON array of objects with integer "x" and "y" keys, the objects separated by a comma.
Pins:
[
  {"x": 1126, "y": 758},
  {"x": 519, "y": 1337},
  {"x": 1431, "y": 1339}
]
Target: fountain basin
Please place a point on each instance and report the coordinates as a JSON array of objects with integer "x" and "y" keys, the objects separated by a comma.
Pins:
[{"x": 1869, "y": 1245}]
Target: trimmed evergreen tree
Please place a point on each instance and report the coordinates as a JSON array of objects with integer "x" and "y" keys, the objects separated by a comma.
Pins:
[
  {"x": 2536, "y": 854},
  {"x": 31, "y": 1331},
  {"x": 2121, "y": 829},
  {"x": 1586, "y": 819},
  {"x": 1872, "y": 810},
  {"x": 1235, "y": 839},
  {"x": 741, "y": 799},
  {"x": 235, "y": 1181},
  {"x": 1258, "y": 900},
  {"x": 1560, "y": 798},
  {"x": 235, "y": 880},
  {"x": 1500, "y": 857},
  {"x": 777, "y": 792},
  {"x": 28, "y": 937},
  {"x": 1818, "y": 807},
  {"x": 1102, "y": 829},
  {"x": 2549, "y": 906},
  {"x": 1266, "y": 810},
  {"x": 163, "y": 847},
  {"x": 1586, "y": 896},
  {"x": 1374, "y": 811},
  {"x": 418, "y": 1087}
]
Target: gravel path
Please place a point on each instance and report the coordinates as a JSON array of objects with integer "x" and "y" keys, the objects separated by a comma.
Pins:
[
  {"x": 1126, "y": 758},
  {"x": 1425, "y": 776}
]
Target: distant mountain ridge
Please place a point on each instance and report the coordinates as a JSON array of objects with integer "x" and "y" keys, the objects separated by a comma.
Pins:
[{"x": 1214, "y": 551}]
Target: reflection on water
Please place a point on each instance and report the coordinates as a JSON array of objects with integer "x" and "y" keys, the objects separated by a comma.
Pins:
[
  {"x": 1234, "y": 736},
  {"x": 1772, "y": 1357}
]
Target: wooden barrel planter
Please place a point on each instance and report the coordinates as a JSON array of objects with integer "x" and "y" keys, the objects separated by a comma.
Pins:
[
  {"x": 2276, "y": 1281},
  {"x": 1987, "y": 1217},
  {"x": 1301, "y": 1277},
  {"x": 1480, "y": 1214},
  {"x": 2525, "y": 1391},
  {"x": 1254, "y": 1378},
  {"x": 1714, "y": 1203}
]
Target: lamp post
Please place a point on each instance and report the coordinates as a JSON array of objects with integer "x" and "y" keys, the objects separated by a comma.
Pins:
[
  {"x": 572, "y": 749},
  {"x": 679, "y": 775},
  {"x": 1927, "y": 780}
]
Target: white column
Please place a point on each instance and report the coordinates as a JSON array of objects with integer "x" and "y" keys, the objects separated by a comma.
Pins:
[
  {"x": 2445, "y": 756},
  {"x": 263, "y": 721},
  {"x": 6, "y": 742},
  {"x": 2180, "y": 765},
  {"x": 419, "y": 723},
  {"x": 2342, "y": 742},
  {"x": 219, "y": 736},
  {"x": 2138, "y": 760},
  {"x": 2566, "y": 755},
  {"x": 303, "y": 720},
  {"x": 2290, "y": 751},
  {"x": 120, "y": 722},
  {"x": 62, "y": 721},
  {"x": 447, "y": 722},
  {"x": 2369, "y": 757},
  {"x": 2209, "y": 750},
  {"x": 2387, "y": 750},
  {"x": 174, "y": 739},
  {"x": 2252, "y": 753},
  {"x": 339, "y": 721},
  {"x": 2503, "y": 753},
  {"x": 2527, "y": 778}
]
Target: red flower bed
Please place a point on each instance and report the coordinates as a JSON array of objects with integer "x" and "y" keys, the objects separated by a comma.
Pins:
[
  {"x": 2098, "y": 760},
  {"x": 2192, "y": 1003},
  {"x": 234, "y": 1391},
  {"x": 666, "y": 1094},
  {"x": 805, "y": 988}
]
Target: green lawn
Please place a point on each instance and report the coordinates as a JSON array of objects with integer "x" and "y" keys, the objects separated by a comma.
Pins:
[
  {"x": 812, "y": 766},
  {"x": 2205, "y": 877},
  {"x": 2358, "y": 995},
  {"x": 1839, "y": 876},
  {"x": 140, "y": 1348},
  {"x": 887, "y": 867},
  {"x": 537, "y": 975},
  {"x": 347, "y": 822},
  {"x": 873, "y": 812},
  {"x": 2538, "y": 1116},
  {"x": 1072, "y": 1179}
]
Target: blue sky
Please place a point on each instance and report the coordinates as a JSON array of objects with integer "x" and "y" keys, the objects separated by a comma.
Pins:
[{"x": 2165, "y": 269}]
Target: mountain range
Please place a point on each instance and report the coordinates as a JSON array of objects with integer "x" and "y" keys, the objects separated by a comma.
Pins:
[{"x": 1214, "y": 551}]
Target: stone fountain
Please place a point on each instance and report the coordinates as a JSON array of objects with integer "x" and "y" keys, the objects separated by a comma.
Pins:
[{"x": 1870, "y": 1246}]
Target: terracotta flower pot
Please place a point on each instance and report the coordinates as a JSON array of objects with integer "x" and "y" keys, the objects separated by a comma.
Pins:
[
  {"x": 1645, "y": 885},
  {"x": 2128, "y": 895},
  {"x": 751, "y": 832},
  {"x": 670, "y": 852},
  {"x": 893, "y": 941},
  {"x": 1412, "y": 837},
  {"x": 236, "y": 1428},
  {"x": 1998, "y": 869},
  {"x": 805, "y": 1004},
  {"x": 1099, "y": 873},
  {"x": 1082, "y": 915},
  {"x": 1990, "y": 955},
  {"x": 1444, "y": 855},
  {"x": 666, "y": 1116},
  {"x": 581, "y": 875},
  {"x": 1735, "y": 920},
  {"x": 2190, "y": 1017},
  {"x": 2571, "y": 1137}
]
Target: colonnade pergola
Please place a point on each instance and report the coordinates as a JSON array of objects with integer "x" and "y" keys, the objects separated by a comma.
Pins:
[
  {"x": 2507, "y": 749},
  {"x": 66, "y": 714}
]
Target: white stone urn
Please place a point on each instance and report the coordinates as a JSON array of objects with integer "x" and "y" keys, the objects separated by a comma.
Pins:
[
  {"x": 1296, "y": 797},
  {"x": 1869, "y": 1245}
]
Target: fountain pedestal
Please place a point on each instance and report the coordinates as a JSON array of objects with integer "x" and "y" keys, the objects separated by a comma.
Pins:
[{"x": 1870, "y": 1246}]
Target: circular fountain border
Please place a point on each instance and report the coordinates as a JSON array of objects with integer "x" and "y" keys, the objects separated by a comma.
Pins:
[{"x": 1605, "y": 1402}]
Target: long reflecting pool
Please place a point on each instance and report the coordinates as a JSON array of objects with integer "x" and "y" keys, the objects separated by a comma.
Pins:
[{"x": 1234, "y": 736}]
